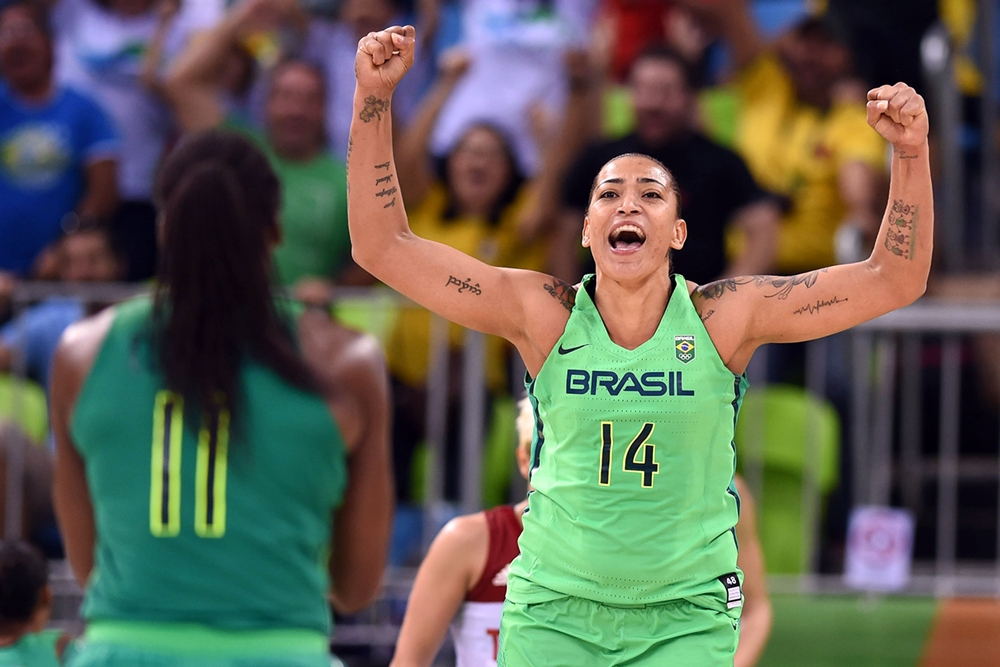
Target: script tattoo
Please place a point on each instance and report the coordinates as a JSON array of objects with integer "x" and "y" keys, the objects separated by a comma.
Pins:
[
  {"x": 462, "y": 284},
  {"x": 382, "y": 165},
  {"x": 811, "y": 308},
  {"x": 385, "y": 179},
  {"x": 704, "y": 318},
  {"x": 374, "y": 108},
  {"x": 782, "y": 286},
  {"x": 901, "y": 237},
  {"x": 386, "y": 192},
  {"x": 903, "y": 155}
]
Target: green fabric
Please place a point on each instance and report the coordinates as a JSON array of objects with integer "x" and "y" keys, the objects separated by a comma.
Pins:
[
  {"x": 35, "y": 649},
  {"x": 573, "y": 631},
  {"x": 848, "y": 631},
  {"x": 315, "y": 241},
  {"x": 641, "y": 537},
  {"x": 22, "y": 403},
  {"x": 189, "y": 639},
  {"x": 103, "y": 654},
  {"x": 238, "y": 540}
]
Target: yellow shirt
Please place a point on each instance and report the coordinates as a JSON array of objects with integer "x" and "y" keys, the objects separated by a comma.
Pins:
[
  {"x": 408, "y": 349},
  {"x": 797, "y": 150}
]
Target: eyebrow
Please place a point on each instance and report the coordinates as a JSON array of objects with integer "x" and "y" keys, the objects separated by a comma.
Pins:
[{"x": 641, "y": 179}]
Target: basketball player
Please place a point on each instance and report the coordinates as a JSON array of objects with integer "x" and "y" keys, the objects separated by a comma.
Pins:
[
  {"x": 463, "y": 581},
  {"x": 210, "y": 440},
  {"x": 628, "y": 553}
]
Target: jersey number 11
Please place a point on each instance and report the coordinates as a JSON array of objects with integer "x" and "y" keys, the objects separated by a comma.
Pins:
[{"x": 210, "y": 471}]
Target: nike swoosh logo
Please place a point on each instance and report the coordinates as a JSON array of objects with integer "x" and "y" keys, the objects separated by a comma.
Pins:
[{"x": 567, "y": 350}]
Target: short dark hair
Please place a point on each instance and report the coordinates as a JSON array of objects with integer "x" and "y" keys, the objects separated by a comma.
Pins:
[
  {"x": 665, "y": 53},
  {"x": 670, "y": 175},
  {"x": 23, "y": 575}
]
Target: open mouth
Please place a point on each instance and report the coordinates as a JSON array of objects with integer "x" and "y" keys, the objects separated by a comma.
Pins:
[{"x": 627, "y": 238}]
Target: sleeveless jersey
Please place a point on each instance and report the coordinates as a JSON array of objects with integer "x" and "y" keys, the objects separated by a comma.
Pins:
[
  {"x": 476, "y": 628},
  {"x": 632, "y": 466},
  {"x": 35, "y": 649},
  {"x": 199, "y": 520}
]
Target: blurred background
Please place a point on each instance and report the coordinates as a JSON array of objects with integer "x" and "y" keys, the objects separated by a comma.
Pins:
[{"x": 873, "y": 455}]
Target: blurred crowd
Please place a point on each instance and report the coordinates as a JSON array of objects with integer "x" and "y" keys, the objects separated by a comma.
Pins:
[{"x": 757, "y": 106}]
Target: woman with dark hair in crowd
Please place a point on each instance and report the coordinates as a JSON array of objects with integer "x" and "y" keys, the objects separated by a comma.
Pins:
[
  {"x": 478, "y": 199},
  {"x": 211, "y": 439},
  {"x": 25, "y": 607}
]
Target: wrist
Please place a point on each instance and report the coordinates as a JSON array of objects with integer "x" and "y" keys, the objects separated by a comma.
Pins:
[{"x": 910, "y": 151}]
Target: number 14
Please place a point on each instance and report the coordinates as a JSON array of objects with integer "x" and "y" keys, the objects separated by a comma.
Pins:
[{"x": 647, "y": 467}]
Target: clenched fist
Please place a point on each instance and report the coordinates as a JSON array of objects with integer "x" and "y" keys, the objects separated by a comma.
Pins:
[
  {"x": 384, "y": 57},
  {"x": 899, "y": 114}
]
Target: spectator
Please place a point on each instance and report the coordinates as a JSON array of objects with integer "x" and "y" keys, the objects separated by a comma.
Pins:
[
  {"x": 803, "y": 133},
  {"x": 102, "y": 46},
  {"x": 475, "y": 200},
  {"x": 334, "y": 44},
  {"x": 84, "y": 255},
  {"x": 516, "y": 49},
  {"x": 25, "y": 608},
  {"x": 664, "y": 101},
  {"x": 58, "y": 151},
  {"x": 315, "y": 245}
]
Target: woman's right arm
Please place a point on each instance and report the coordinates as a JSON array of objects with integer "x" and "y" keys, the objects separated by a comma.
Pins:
[
  {"x": 453, "y": 564},
  {"x": 454, "y": 285}
]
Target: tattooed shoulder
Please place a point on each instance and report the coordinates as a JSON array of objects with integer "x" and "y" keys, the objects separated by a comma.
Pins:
[
  {"x": 561, "y": 291},
  {"x": 715, "y": 291}
]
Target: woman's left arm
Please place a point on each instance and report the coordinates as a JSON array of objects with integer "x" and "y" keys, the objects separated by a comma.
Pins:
[{"x": 749, "y": 311}]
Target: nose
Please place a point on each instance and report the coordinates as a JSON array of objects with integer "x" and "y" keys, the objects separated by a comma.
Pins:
[{"x": 629, "y": 204}]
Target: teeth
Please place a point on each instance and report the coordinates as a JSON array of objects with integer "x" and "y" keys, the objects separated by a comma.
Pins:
[{"x": 629, "y": 228}]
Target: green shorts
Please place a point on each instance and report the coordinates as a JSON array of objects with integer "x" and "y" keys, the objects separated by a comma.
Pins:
[
  {"x": 133, "y": 644},
  {"x": 573, "y": 632}
]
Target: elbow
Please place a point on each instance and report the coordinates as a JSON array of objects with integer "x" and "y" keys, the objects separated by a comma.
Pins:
[
  {"x": 353, "y": 597},
  {"x": 901, "y": 288}
]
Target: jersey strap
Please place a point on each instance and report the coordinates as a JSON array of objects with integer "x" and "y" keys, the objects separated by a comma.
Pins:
[{"x": 504, "y": 529}]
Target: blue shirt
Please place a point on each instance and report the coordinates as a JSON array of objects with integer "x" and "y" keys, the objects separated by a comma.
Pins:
[
  {"x": 35, "y": 333},
  {"x": 44, "y": 150}
]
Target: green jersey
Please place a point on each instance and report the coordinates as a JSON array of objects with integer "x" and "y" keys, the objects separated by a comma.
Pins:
[
  {"x": 199, "y": 520},
  {"x": 632, "y": 467},
  {"x": 35, "y": 649}
]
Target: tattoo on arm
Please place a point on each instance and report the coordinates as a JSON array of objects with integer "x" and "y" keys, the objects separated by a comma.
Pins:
[
  {"x": 811, "y": 308},
  {"x": 385, "y": 179},
  {"x": 901, "y": 238},
  {"x": 562, "y": 292},
  {"x": 463, "y": 285},
  {"x": 903, "y": 155},
  {"x": 704, "y": 318},
  {"x": 374, "y": 108},
  {"x": 779, "y": 286}
]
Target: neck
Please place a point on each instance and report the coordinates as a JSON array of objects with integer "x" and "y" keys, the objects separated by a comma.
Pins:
[
  {"x": 36, "y": 91},
  {"x": 519, "y": 510},
  {"x": 632, "y": 313},
  {"x": 13, "y": 635}
]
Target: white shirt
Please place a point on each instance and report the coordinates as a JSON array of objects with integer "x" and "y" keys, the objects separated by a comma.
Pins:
[
  {"x": 101, "y": 52},
  {"x": 517, "y": 61}
]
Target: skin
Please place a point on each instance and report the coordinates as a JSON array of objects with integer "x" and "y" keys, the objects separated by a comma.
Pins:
[
  {"x": 294, "y": 114},
  {"x": 479, "y": 171},
  {"x": 353, "y": 383},
  {"x": 26, "y": 66},
  {"x": 633, "y": 288},
  {"x": 757, "y": 616},
  {"x": 452, "y": 567}
]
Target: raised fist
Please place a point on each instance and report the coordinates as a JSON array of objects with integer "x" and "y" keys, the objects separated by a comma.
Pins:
[
  {"x": 899, "y": 114},
  {"x": 384, "y": 57}
]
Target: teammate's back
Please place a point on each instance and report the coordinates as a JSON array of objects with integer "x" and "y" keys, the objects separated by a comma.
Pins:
[{"x": 232, "y": 521}]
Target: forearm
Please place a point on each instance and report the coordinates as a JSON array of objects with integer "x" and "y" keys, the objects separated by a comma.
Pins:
[
  {"x": 755, "y": 628},
  {"x": 375, "y": 213},
  {"x": 905, "y": 241}
]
